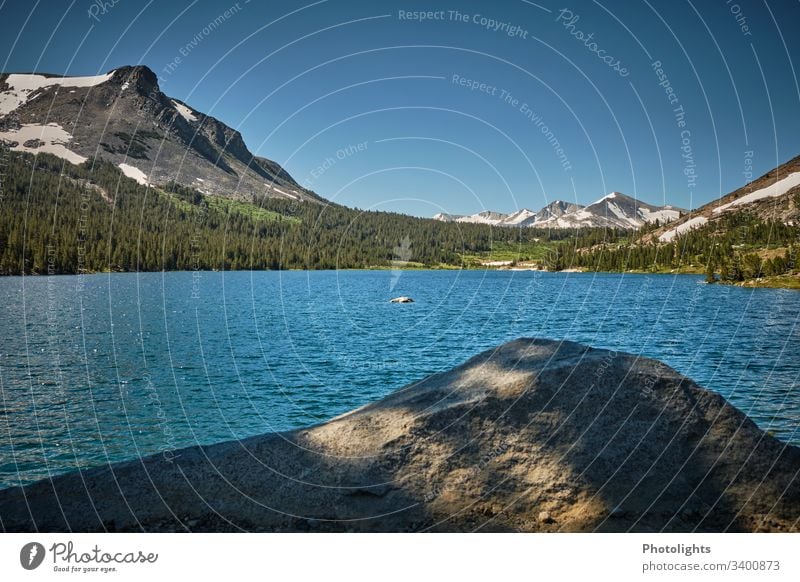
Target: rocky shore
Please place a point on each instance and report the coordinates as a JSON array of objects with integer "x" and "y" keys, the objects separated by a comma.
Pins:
[{"x": 532, "y": 436}]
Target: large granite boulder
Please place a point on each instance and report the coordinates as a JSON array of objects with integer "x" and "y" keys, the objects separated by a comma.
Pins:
[{"x": 535, "y": 435}]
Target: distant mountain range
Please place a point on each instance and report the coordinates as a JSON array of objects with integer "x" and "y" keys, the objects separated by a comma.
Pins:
[
  {"x": 615, "y": 210},
  {"x": 125, "y": 118},
  {"x": 748, "y": 237},
  {"x": 211, "y": 204}
]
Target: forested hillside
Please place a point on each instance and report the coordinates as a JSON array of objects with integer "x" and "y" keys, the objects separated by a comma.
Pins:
[
  {"x": 56, "y": 217},
  {"x": 736, "y": 247}
]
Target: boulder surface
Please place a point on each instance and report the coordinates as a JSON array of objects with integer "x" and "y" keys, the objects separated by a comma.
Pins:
[{"x": 535, "y": 435}]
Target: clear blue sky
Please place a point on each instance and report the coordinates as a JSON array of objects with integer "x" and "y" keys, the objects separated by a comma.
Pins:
[{"x": 308, "y": 82}]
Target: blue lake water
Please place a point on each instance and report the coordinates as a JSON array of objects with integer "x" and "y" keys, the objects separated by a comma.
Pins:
[{"x": 109, "y": 367}]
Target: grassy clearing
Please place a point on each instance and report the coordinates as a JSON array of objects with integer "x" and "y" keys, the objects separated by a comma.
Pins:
[
  {"x": 230, "y": 206},
  {"x": 518, "y": 252},
  {"x": 177, "y": 202}
]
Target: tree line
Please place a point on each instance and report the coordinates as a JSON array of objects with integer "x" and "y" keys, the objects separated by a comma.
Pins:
[
  {"x": 734, "y": 247},
  {"x": 57, "y": 217}
]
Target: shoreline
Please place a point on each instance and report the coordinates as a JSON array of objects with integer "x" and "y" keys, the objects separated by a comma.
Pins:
[
  {"x": 789, "y": 282},
  {"x": 363, "y": 269}
]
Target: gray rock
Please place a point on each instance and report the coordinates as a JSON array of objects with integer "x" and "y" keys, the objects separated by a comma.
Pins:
[{"x": 512, "y": 428}]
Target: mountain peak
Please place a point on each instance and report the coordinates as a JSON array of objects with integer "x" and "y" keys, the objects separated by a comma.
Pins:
[
  {"x": 140, "y": 76},
  {"x": 612, "y": 196},
  {"x": 127, "y": 120},
  {"x": 134, "y": 69}
]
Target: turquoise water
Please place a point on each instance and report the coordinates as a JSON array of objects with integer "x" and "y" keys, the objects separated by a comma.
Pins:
[{"x": 109, "y": 367}]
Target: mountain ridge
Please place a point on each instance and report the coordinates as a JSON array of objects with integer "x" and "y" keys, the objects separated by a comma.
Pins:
[
  {"x": 123, "y": 116},
  {"x": 614, "y": 210},
  {"x": 770, "y": 197}
]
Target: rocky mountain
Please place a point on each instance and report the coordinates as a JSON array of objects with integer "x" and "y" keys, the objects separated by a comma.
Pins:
[
  {"x": 556, "y": 209},
  {"x": 615, "y": 210},
  {"x": 773, "y": 196},
  {"x": 124, "y": 117},
  {"x": 532, "y": 436},
  {"x": 523, "y": 217}
]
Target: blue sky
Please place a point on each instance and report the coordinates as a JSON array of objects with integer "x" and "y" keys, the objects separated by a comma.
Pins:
[{"x": 365, "y": 104}]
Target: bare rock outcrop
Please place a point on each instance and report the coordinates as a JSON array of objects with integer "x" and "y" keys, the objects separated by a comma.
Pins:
[{"x": 535, "y": 435}]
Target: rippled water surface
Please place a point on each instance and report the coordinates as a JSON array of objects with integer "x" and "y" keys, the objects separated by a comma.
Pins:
[{"x": 110, "y": 367}]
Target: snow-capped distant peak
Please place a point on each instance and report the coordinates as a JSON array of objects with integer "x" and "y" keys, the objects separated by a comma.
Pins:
[
  {"x": 444, "y": 217},
  {"x": 609, "y": 196},
  {"x": 519, "y": 216},
  {"x": 484, "y": 217},
  {"x": 615, "y": 210}
]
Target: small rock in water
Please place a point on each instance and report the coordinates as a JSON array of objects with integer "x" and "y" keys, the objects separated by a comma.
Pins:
[{"x": 402, "y": 299}]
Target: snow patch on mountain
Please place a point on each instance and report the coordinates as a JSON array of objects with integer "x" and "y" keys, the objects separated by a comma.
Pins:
[
  {"x": 690, "y": 224},
  {"x": 279, "y": 191},
  {"x": 185, "y": 111},
  {"x": 617, "y": 211},
  {"x": 779, "y": 188},
  {"x": 135, "y": 173},
  {"x": 20, "y": 87},
  {"x": 662, "y": 215},
  {"x": 34, "y": 138}
]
